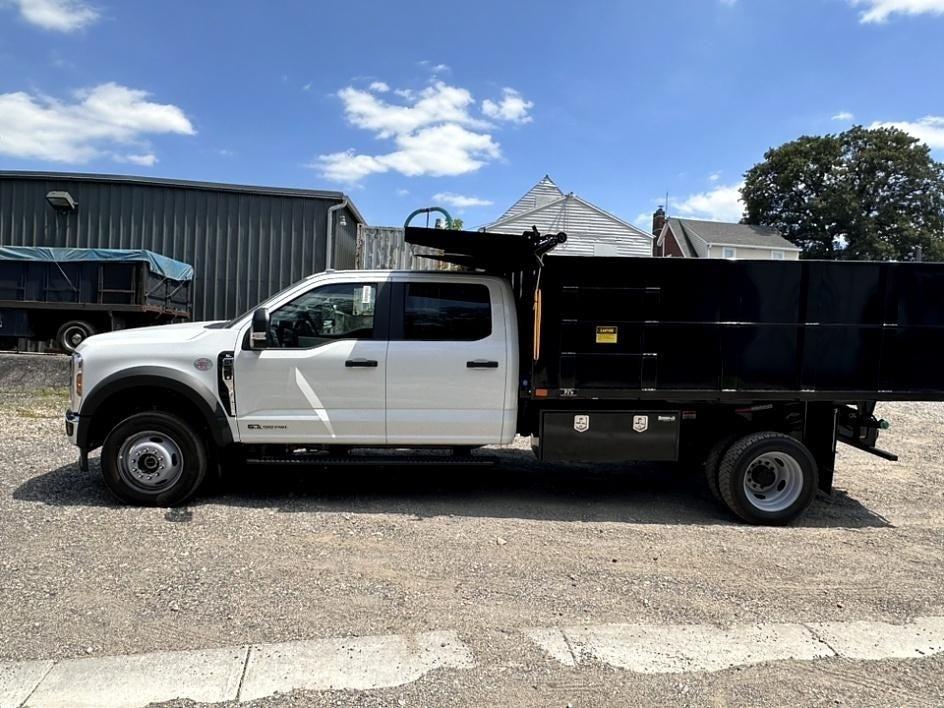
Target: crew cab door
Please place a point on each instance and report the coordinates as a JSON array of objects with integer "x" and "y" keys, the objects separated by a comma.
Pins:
[
  {"x": 450, "y": 363},
  {"x": 321, "y": 377}
]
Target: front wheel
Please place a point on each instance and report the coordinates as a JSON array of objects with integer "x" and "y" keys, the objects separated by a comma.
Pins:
[
  {"x": 154, "y": 459},
  {"x": 767, "y": 478}
]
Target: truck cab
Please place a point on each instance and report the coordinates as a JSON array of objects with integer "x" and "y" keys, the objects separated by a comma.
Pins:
[
  {"x": 367, "y": 358},
  {"x": 342, "y": 359}
]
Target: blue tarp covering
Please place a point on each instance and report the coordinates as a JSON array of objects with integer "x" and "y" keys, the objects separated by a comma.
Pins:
[{"x": 161, "y": 265}]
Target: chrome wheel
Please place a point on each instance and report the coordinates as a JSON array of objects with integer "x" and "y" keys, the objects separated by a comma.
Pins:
[
  {"x": 150, "y": 461},
  {"x": 773, "y": 481},
  {"x": 73, "y": 336}
]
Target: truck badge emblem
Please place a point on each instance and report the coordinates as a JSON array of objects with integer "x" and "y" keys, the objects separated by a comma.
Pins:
[
  {"x": 581, "y": 423},
  {"x": 203, "y": 364},
  {"x": 640, "y": 423}
]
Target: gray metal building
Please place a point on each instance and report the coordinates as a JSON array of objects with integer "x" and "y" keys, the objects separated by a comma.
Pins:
[{"x": 244, "y": 243}]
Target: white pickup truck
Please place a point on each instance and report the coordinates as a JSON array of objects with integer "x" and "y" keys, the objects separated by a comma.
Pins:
[{"x": 741, "y": 369}]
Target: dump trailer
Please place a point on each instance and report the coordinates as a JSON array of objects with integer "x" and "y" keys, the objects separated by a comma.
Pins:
[
  {"x": 750, "y": 370},
  {"x": 68, "y": 294}
]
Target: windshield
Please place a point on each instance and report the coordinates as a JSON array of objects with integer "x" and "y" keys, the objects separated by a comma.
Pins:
[{"x": 264, "y": 303}]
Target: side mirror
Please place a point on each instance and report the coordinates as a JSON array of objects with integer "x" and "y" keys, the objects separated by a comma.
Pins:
[{"x": 259, "y": 334}]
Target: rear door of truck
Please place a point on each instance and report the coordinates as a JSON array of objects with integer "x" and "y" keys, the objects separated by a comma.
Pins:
[{"x": 449, "y": 367}]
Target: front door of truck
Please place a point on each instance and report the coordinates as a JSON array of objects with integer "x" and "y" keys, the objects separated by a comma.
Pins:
[
  {"x": 447, "y": 363},
  {"x": 321, "y": 377}
]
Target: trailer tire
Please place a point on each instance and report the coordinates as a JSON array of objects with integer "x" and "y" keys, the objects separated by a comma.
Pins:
[
  {"x": 713, "y": 462},
  {"x": 72, "y": 333},
  {"x": 767, "y": 478},
  {"x": 154, "y": 459}
]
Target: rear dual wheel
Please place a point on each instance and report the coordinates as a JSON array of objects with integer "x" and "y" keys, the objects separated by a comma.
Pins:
[{"x": 766, "y": 478}]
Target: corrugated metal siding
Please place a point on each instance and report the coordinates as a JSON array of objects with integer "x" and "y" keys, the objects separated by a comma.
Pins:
[
  {"x": 243, "y": 246},
  {"x": 585, "y": 227},
  {"x": 384, "y": 248}
]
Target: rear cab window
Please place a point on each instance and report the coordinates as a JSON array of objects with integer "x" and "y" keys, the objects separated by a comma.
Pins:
[{"x": 456, "y": 312}]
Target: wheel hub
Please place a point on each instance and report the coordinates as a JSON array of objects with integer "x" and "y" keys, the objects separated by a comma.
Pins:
[
  {"x": 773, "y": 481},
  {"x": 762, "y": 475},
  {"x": 150, "y": 460}
]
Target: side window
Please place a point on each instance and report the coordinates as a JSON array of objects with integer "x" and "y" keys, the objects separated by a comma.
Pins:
[
  {"x": 776, "y": 255},
  {"x": 458, "y": 312},
  {"x": 728, "y": 253},
  {"x": 325, "y": 314}
]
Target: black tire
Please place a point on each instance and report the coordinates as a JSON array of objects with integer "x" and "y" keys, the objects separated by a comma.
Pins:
[
  {"x": 713, "y": 462},
  {"x": 170, "y": 435},
  {"x": 780, "y": 452},
  {"x": 72, "y": 334}
]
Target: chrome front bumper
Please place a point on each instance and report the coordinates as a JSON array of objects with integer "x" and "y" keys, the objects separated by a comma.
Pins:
[
  {"x": 72, "y": 426},
  {"x": 72, "y": 431}
]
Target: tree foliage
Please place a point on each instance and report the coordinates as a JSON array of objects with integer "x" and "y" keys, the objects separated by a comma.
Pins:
[{"x": 863, "y": 194}]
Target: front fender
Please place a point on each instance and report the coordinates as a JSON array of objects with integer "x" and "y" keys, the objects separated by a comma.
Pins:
[{"x": 191, "y": 388}]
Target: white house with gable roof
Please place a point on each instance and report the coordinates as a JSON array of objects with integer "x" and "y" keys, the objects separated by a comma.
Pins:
[{"x": 591, "y": 231}]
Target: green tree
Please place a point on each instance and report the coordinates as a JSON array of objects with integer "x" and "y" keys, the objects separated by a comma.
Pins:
[
  {"x": 457, "y": 224},
  {"x": 863, "y": 194}
]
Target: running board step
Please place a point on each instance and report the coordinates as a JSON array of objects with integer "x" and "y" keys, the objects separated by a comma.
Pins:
[{"x": 373, "y": 461}]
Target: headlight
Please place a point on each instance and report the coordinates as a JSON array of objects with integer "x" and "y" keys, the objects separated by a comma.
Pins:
[{"x": 77, "y": 373}]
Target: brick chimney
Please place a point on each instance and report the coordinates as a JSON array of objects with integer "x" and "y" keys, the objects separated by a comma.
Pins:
[{"x": 658, "y": 221}]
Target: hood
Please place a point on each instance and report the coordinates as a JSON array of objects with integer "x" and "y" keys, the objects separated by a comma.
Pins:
[{"x": 158, "y": 334}]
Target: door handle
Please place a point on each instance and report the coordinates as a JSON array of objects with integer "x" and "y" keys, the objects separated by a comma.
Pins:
[
  {"x": 481, "y": 364},
  {"x": 362, "y": 363}
]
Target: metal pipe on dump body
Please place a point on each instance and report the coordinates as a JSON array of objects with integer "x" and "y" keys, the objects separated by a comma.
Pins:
[{"x": 329, "y": 239}]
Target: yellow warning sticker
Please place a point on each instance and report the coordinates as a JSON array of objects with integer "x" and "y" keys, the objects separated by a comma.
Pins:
[{"x": 607, "y": 335}]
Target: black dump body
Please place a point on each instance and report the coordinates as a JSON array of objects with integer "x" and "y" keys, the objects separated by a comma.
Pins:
[
  {"x": 702, "y": 329},
  {"x": 714, "y": 330}
]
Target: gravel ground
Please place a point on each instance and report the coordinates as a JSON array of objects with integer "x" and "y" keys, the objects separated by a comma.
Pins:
[{"x": 275, "y": 556}]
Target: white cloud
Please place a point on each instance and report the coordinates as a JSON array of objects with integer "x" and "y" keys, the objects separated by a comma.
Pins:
[
  {"x": 929, "y": 129},
  {"x": 460, "y": 201},
  {"x": 348, "y": 166},
  {"x": 714, "y": 176},
  {"x": 512, "y": 107},
  {"x": 146, "y": 160},
  {"x": 728, "y": 3},
  {"x": 307, "y": 87},
  {"x": 379, "y": 87},
  {"x": 58, "y": 15},
  {"x": 403, "y": 192},
  {"x": 879, "y": 10},
  {"x": 643, "y": 221},
  {"x": 434, "y": 132},
  {"x": 89, "y": 126},
  {"x": 439, "y": 151},
  {"x": 723, "y": 203},
  {"x": 434, "y": 68},
  {"x": 844, "y": 116},
  {"x": 437, "y": 103}
]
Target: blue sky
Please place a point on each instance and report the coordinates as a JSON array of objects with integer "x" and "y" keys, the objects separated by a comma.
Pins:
[{"x": 407, "y": 104}]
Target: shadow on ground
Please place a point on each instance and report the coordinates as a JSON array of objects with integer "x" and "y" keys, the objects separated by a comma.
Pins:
[{"x": 515, "y": 487}]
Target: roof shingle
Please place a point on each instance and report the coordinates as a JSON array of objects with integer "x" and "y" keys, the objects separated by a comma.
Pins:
[{"x": 732, "y": 234}]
